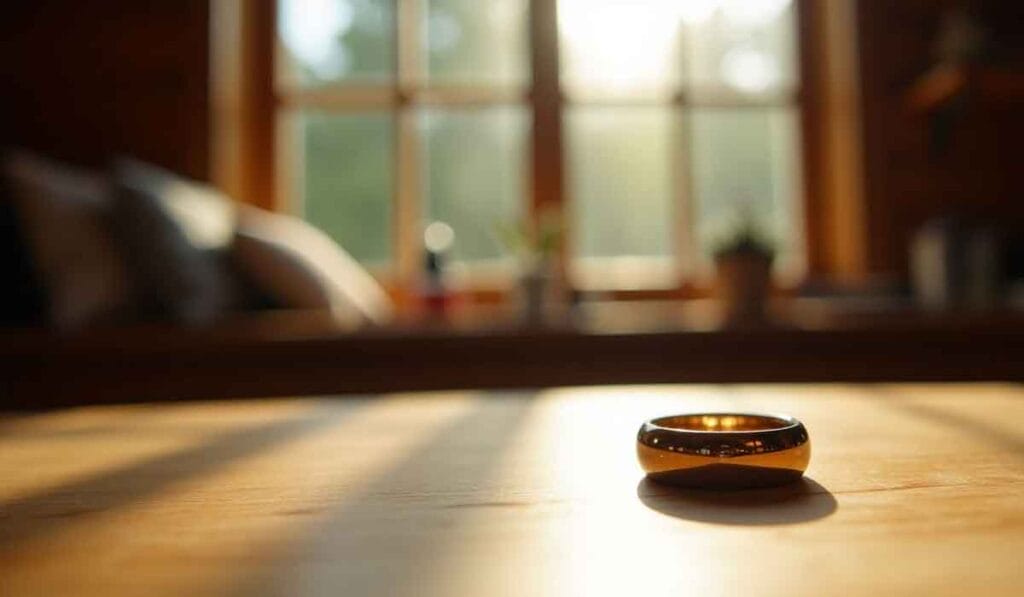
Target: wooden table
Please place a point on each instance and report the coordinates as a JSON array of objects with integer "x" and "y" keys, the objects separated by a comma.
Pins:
[{"x": 912, "y": 489}]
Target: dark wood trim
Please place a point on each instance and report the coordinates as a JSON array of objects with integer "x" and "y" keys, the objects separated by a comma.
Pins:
[
  {"x": 837, "y": 221},
  {"x": 808, "y": 26},
  {"x": 547, "y": 176},
  {"x": 242, "y": 131},
  {"x": 271, "y": 357},
  {"x": 260, "y": 147},
  {"x": 873, "y": 95}
]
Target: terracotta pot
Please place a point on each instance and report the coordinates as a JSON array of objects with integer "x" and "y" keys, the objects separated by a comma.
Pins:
[
  {"x": 744, "y": 282},
  {"x": 541, "y": 295}
]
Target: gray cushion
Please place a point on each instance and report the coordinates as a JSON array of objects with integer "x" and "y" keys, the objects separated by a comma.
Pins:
[
  {"x": 175, "y": 235},
  {"x": 62, "y": 212}
]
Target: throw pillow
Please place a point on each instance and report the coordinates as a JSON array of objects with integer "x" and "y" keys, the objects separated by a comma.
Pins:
[
  {"x": 62, "y": 212},
  {"x": 303, "y": 268}
]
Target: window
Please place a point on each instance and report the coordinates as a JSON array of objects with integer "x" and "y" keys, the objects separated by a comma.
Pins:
[{"x": 675, "y": 119}]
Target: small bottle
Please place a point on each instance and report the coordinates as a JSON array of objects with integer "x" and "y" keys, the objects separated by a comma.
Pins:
[{"x": 435, "y": 295}]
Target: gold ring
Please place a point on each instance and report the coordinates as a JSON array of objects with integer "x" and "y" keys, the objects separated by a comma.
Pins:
[{"x": 723, "y": 450}]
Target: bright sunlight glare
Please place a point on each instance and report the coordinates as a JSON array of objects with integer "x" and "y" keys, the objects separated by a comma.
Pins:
[
  {"x": 620, "y": 45},
  {"x": 310, "y": 30},
  {"x": 632, "y": 45}
]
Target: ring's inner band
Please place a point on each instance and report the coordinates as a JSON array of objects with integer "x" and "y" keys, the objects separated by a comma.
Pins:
[{"x": 723, "y": 422}]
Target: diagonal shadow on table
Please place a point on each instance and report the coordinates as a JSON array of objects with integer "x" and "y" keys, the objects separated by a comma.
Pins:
[
  {"x": 52, "y": 508},
  {"x": 798, "y": 502},
  {"x": 389, "y": 536},
  {"x": 1013, "y": 442}
]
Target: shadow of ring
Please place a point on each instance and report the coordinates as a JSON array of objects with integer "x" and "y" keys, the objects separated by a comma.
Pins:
[{"x": 802, "y": 501}]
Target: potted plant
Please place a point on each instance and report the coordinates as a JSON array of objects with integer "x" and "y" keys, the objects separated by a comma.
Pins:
[
  {"x": 539, "y": 295},
  {"x": 743, "y": 270}
]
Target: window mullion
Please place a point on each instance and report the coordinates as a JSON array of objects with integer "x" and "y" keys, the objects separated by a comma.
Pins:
[
  {"x": 546, "y": 159},
  {"x": 407, "y": 194},
  {"x": 685, "y": 251}
]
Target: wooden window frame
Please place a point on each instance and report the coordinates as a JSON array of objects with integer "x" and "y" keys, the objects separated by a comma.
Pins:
[{"x": 246, "y": 104}]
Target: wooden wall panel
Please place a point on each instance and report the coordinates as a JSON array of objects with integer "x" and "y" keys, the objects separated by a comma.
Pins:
[
  {"x": 85, "y": 80},
  {"x": 906, "y": 180}
]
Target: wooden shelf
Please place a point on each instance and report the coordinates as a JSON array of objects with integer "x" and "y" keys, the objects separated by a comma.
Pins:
[
  {"x": 290, "y": 356},
  {"x": 989, "y": 85}
]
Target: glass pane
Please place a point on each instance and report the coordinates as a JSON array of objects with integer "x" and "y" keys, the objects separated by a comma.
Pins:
[
  {"x": 473, "y": 176},
  {"x": 476, "y": 43},
  {"x": 746, "y": 166},
  {"x": 620, "y": 177},
  {"x": 332, "y": 41},
  {"x": 347, "y": 180},
  {"x": 617, "y": 47},
  {"x": 743, "y": 46}
]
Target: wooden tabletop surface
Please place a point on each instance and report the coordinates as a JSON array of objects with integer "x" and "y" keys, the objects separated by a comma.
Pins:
[{"x": 912, "y": 489}]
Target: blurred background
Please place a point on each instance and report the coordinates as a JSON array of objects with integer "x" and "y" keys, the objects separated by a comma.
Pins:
[
  {"x": 621, "y": 148},
  {"x": 362, "y": 206}
]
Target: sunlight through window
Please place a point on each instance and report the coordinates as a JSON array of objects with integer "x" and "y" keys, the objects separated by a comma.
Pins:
[{"x": 675, "y": 116}]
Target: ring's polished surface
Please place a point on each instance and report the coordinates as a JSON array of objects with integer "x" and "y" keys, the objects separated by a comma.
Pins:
[{"x": 723, "y": 450}]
